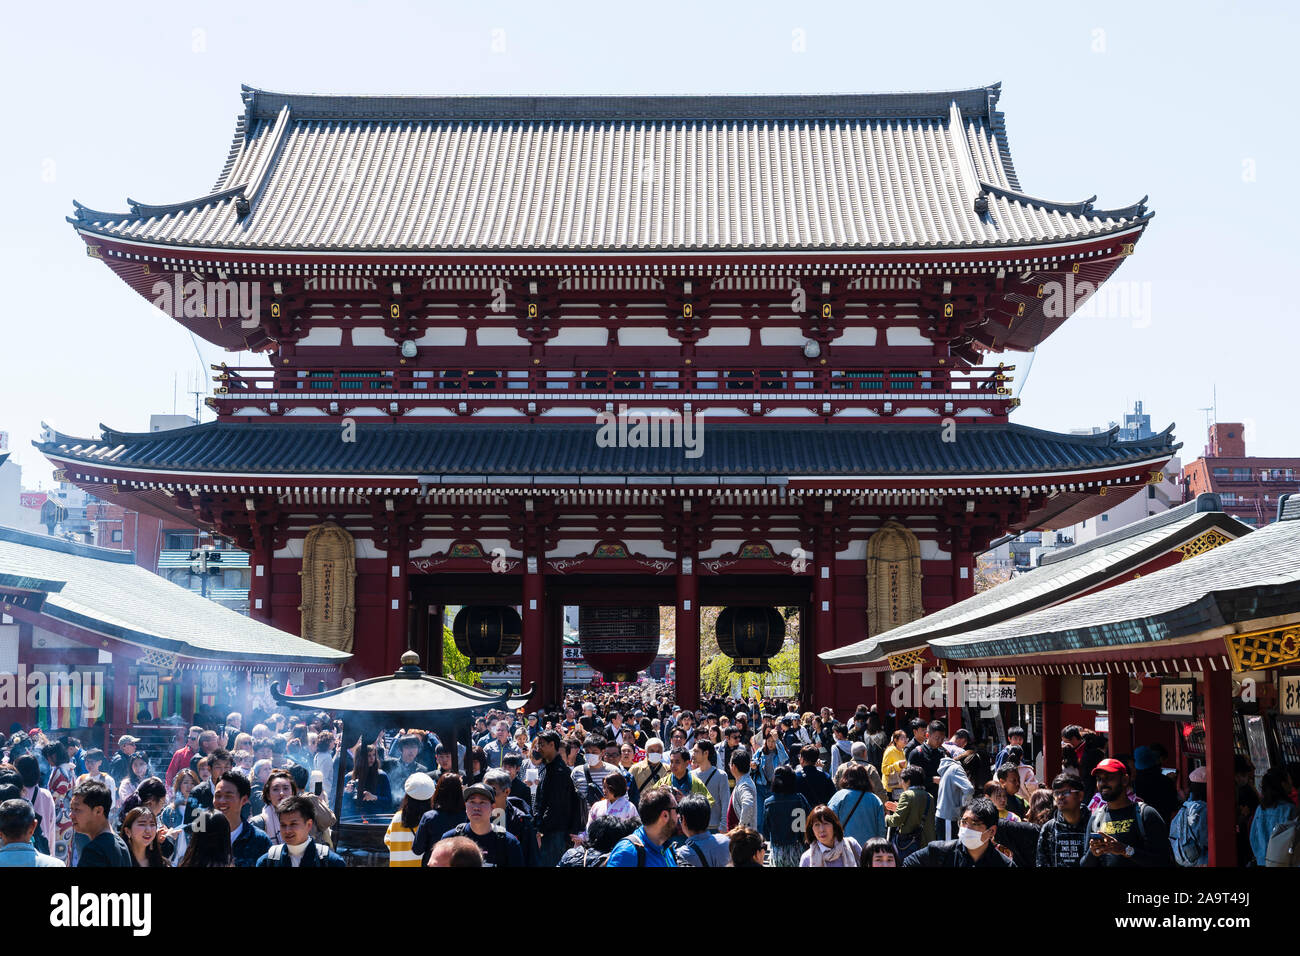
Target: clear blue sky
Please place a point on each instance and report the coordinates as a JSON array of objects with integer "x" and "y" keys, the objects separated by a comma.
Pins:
[{"x": 1192, "y": 103}]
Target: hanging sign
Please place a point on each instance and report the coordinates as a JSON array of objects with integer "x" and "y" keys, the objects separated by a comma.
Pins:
[
  {"x": 1178, "y": 699},
  {"x": 146, "y": 686},
  {"x": 1288, "y": 695},
  {"x": 1094, "y": 693},
  {"x": 209, "y": 683}
]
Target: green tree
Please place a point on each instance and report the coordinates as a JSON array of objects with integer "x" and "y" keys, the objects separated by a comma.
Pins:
[
  {"x": 716, "y": 672},
  {"x": 455, "y": 665}
]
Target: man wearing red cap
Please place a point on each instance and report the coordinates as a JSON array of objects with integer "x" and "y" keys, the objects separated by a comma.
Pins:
[{"x": 1121, "y": 832}]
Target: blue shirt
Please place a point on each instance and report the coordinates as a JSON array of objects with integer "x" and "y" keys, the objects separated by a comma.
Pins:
[
  {"x": 625, "y": 853},
  {"x": 24, "y": 854},
  {"x": 865, "y": 822}
]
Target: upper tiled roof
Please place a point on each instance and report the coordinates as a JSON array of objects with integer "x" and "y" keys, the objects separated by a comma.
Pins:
[
  {"x": 1069, "y": 572},
  {"x": 468, "y": 451},
  {"x": 614, "y": 173},
  {"x": 104, "y": 591},
  {"x": 1254, "y": 577}
]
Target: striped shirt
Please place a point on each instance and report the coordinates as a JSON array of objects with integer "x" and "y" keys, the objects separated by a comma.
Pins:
[{"x": 399, "y": 840}]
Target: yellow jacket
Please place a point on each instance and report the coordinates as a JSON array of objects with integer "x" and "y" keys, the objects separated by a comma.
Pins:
[{"x": 894, "y": 761}]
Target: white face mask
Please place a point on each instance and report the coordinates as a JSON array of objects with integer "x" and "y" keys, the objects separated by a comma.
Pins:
[
  {"x": 592, "y": 759},
  {"x": 653, "y": 757},
  {"x": 970, "y": 839}
]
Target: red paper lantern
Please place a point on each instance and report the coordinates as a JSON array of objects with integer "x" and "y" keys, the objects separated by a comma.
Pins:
[{"x": 619, "y": 641}]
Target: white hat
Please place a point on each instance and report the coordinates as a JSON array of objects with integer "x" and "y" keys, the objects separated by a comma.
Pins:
[{"x": 419, "y": 786}]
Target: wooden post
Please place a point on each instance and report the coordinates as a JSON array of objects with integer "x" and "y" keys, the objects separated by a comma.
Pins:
[
  {"x": 395, "y": 618},
  {"x": 533, "y": 641},
  {"x": 259, "y": 585},
  {"x": 819, "y": 691},
  {"x": 952, "y": 690},
  {"x": 435, "y": 615},
  {"x": 687, "y": 619},
  {"x": 1121, "y": 728},
  {"x": 121, "y": 721},
  {"x": 1051, "y": 728},
  {"x": 1219, "y": 759}
]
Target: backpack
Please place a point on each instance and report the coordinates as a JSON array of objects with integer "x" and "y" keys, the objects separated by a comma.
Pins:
[
  {"x": 1182, "y": 833},
  {"x": 276, "y": 852},
  {"x": 499, "y": 842},
  {"x": 1284, "y": 845},
  {"x": 640, "y": 853}
]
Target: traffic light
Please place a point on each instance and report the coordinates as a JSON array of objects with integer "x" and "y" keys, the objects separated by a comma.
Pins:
[{"x": 205, "y": 561}]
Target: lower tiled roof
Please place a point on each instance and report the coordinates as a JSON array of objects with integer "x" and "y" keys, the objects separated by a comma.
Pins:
[{"x": 482, "y": 451}]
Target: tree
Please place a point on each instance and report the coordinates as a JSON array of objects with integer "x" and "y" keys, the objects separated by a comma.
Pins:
[
  {"x": 716, "y": 672},
  {"x": 455, "y": 665},
  {"x": 989, "y": 574}
]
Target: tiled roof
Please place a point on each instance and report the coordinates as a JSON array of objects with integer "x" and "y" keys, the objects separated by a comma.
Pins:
[
  {"x": 615, "y": 173},
  {"x": 1069, "y": 572},
  {"x": 104, "y": 591},
  {"x": 1254, "y": 577},
  {"x": 481, "y": 452}
]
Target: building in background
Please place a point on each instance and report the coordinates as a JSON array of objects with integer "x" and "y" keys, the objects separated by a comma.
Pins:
[{"x": 1249, "y": 488}]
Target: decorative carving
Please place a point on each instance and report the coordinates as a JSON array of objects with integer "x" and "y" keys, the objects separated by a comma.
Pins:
[
  {"x": 329, "y": 572},
  {"x": 906, "y": 660},
  {"x": 1202, "y": 543},
  {"x": 152, "y": 657},
  {"x": 893, "y": 578},
  {"x": 1259, "y": 650}
]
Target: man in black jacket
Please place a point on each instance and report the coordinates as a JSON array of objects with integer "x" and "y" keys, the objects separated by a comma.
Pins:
[
  {"x": 553, "y": 811},
  {"x": 89, "y": 807},
  {"x": 1061, "y": 840},
  {"x": 929, "y": 755},
  {"x": 229, "y": 798},
  {"x": 812, "y": 782},
  {"x": 120, "y": 768},
  {"x": 974, "y": 845}
]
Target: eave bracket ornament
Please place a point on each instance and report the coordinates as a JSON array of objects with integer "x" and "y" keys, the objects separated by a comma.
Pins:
[
  {"x": 1202, "y": 543},
  {"x": 1260, "y": 650},
  {"x": 906, "y": 660}
]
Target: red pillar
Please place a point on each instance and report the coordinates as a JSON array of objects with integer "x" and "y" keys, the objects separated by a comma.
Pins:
[
  {"x": 1222, "y": 796},
  {"x": 821, "y": 690},
  {"x": 1121, "y": 728},
  {"x": 553, "y": 652},
  {"x": 963, "y": 575},
  {"x": 1051, "y": 728},
  {"x": 259, "y": 585},
  {"x": 122, "y": 715},
  {"x": 687, "y": 615},
  {"x": 395, "y": 614},
  {"x": 435, "y": 614},
  {"x": 533, "y": 642},
  {"x": 951, "y": 690}
]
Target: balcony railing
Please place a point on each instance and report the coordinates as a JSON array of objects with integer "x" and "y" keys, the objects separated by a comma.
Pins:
[{"x": 536, "y": 391}]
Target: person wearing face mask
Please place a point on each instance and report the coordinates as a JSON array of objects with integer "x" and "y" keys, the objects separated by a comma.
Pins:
[
  {"x": 589, "y": 775},
  {"x": 651, "y": 771},
  {"x": 974, "y": 845}
]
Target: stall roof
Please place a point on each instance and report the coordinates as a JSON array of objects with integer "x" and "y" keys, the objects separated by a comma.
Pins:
[
  {"x": 1254, "y": 578},
  {"x": 102, "y": 590},
  {"x": 1063, "y": 575}
]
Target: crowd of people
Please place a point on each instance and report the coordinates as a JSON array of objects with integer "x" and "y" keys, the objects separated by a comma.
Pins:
[{"x": 623, "y": 780}]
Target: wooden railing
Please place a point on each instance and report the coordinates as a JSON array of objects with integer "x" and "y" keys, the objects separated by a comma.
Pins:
[{"x": 880, "y": 391}]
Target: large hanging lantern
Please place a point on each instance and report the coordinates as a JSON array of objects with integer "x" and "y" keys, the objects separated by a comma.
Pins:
[
  {"x": 487, "y": 635},
  {"x": 749, "y": 636},
  {"x": 619, "y": 641}
]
